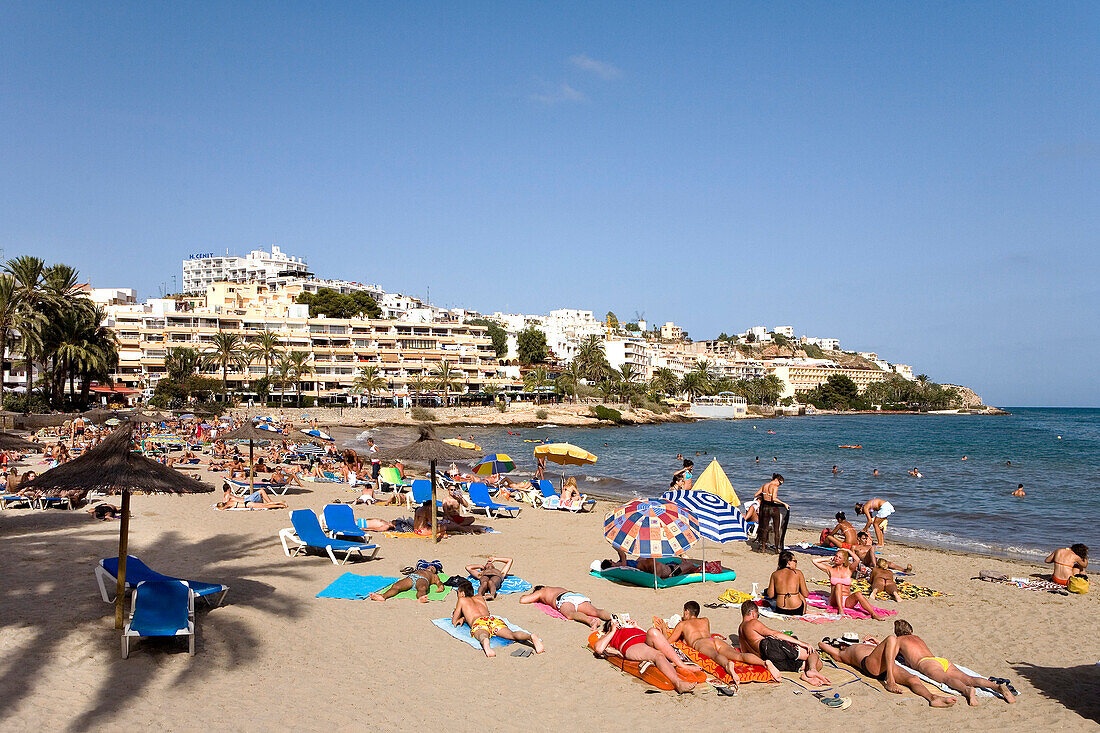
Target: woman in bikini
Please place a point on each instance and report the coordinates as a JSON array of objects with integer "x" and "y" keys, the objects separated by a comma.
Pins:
[
  {"x": 773, "y": 513},
  {"x": 258, "y": 499},
  {"x": 787, "y": 586},
  {"x": 841, "y": 595},
  {"x": 490, "y": 576},
  {"x": 638, "y": 645},
  {"x": 1066, "y": 560}
]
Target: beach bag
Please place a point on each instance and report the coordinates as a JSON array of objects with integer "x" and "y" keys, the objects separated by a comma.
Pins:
[{"x": 1078, "y": 584}]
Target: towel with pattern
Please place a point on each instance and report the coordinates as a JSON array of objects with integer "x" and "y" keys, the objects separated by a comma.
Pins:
[
  {"x": 745, "y": 672},
  {"x": 905, "y": 589},
  {"x": 820, "y": 600}
]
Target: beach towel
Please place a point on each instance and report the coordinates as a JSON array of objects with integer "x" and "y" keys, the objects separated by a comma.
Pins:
[
  {"x": 511, "y": 584},
  {"x": 352, "y": 587},
  {"x": 1025, "y": 583},
  {"x": 940, "y": 686},
  {"x": 734, "y": 597},
  {"x": 820, "y": 600},
  {"x": 462, "y": 633},
  {"x": 551, "y": 611},
  {"x": 414, "y": 535},
  {"x": 905, "y": 589},
  {"x": 808, "y": 549},
  {"x": 745, "y": 672}
]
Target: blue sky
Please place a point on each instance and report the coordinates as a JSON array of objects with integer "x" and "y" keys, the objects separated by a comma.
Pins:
[{"x": 922, "y": 180}]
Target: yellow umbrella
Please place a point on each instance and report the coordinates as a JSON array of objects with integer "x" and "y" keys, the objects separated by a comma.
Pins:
[
  {"x": 565, "y": 453},
  {"x": 460, "y": 443},
  {"x": 714, "y": 480}
]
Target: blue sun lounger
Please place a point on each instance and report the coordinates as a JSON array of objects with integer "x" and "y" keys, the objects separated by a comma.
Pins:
[
  {"x": 161, "y": 608},
  {"x": 479, "y": 495},
  {"x": 551, "y": 499},
  {"x": 308, "y": 535},
  {"x": 9, "y": 500},
  {"x": 421, "y": 492},
  {"x": 340, "y": 522},
  {"x": 106, "y": 574}
]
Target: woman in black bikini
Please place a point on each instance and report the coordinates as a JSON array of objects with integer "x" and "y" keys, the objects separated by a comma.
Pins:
[
  {"x": 787, "y": 586},
  {"x": 773, "y": 514}
]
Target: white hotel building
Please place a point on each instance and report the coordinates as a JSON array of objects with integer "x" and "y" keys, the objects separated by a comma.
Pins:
[{"x": 201, "y": 270}]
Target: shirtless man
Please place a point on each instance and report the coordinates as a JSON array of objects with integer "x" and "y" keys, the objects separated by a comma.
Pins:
[
  {"x": 1019, "y": 492},
  {"x": 787, "y": 586},
  {"x": 1066, "y": 561},
  {"x": 877, "y": 660},
  {"x": 489, "y": 576},
  {"x": 572, "y": 605},
  {"x": 916, "y": 655},
  {"x": 422, "y": 579},
  {"x": 786, "y": 653},
  {"x": 866, "y": 554},
  {"x": 471, "y": 609},
  {"x": 695, "y": 632},
  {"x": 773, "y": 514},
  {"x": 638, "y": 645},
  {"x": 842, "y": 535},
  {"x": 876, "y": 511}
]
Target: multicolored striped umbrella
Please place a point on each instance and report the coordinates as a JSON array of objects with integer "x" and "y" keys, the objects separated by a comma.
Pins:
[
  {"x": 651, "y": 528},
  {"x": 496, "y": 463}
]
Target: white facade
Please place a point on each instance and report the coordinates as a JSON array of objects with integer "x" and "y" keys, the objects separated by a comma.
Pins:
[
  {"x": 787, "y": 331},
  {"x": 565, "y": 328},
  {"x": 112, "y": 296},
  {"x": 829, "y": 344},
  {"x": 202, "y": 269},
  {"x": 904, "y": 370}
]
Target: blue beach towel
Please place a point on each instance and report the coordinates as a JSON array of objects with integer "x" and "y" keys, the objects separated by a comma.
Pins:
[
  {"x": 352, "y": 587},
  {"x": 462, "y": 633},
  {"x": 511, "y": 584}
]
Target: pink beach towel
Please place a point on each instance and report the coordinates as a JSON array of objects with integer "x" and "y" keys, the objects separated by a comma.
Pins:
[
  {"x": 820, "y": 600},
  {"x": 550, "y": 611}
]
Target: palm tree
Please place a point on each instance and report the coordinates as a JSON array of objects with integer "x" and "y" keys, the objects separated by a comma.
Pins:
[
  {"x": 665, "y": 381},
  {"x": 300, "y": 367},
  {"x": 267, "y": 346},
  {"x": 284, "y": 372},
  {"x": 27, "y": 273},
  {"x": 181, "y": 362},
  {"x": 369, "y": 381},
  {"x": 417, "y": 385},
  {"x": 535, "y": 380},
  {"x": 572, "y": 376},
  {"x": 444, "y": 377},
  {"x": 693, "y": 384},
  {"x": 590, "y": 353},
  {"x": 227, "y": 350},
  {"x": 627, "y": 380}
]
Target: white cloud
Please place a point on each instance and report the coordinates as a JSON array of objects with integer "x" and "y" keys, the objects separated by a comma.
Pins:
[
  {"x": 559, "y": 94},
  {"x": 601, "y": 69}
]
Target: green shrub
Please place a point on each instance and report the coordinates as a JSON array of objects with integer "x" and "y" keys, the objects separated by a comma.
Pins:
[
  {"x": 603, "y": 412},
  {"x": 541, "y": 414},
  {"x": 422, "y": 414}
]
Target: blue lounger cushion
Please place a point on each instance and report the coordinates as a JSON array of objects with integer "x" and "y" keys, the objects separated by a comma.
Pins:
[{"x": 138, "y": 572}]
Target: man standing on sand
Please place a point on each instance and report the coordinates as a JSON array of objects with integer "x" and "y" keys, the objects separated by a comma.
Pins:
[
  {"x": 572, "y": 605},
  {"x": 695, "y": 632},
  {"x": 472, "y": 610},
  {"x": 916, "y": 655},
  {"x": 876, "y": 511},
  {"x": 877, "y": 660},
  {"x": 375, "y": 465},
  {"x": 786, "y": 653}
]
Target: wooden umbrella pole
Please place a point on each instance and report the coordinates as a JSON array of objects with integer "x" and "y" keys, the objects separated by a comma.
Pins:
[
  {"x": 435, "y": 518},
  {"x": 251, "y": 470},
  {"x": 123, "y": 539}
]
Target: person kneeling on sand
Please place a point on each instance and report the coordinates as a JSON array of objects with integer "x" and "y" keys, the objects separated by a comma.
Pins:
[
  {"x": 421, "y": 579},
  {"x": 877, "y": 661},
  {"x": 572, "y": 605},
  {"x": 695, "y": 631},
  {"x": 637, "y": 645},
  {"x": 472, "y": 610},
  {"x": 916, "y": 654},
  {"x": 489, "y": 576},
  {"x": 786, "y": 653}
]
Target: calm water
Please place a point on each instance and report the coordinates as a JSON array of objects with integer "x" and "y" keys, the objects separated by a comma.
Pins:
[{"x": 960, "y": 504}]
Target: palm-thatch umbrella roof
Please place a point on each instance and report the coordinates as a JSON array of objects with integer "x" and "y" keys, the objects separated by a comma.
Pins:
[
  {"x": 97, "y": 416},
  {"x": 250, "y": 431},
  {"x": 11, "y": 441},
  {"x": 429, "y": 448},
  {"x": 111, "y": 467},
  {"x": 140, "y": 416}
]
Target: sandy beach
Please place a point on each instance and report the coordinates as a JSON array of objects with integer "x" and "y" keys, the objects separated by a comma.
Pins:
[{"x": 276, "y": 657}]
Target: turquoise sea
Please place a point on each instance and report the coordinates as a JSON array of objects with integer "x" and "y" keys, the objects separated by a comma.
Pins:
[{"x": 965, "y": 505}]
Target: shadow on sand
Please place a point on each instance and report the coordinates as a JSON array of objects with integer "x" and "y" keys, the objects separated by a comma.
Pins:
[{"x": 1077, "y": 688}]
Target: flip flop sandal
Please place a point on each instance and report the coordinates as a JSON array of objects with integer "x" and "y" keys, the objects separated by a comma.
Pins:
[
  {"x": 522, "y": 652},
  {"x": 724, "y": 690}
]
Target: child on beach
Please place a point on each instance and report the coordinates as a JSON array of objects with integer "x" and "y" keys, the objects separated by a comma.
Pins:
[{"x": 883, "y": 580}]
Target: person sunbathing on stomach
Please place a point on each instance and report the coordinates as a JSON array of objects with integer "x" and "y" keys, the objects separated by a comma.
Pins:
[
  {"x": 472, "y": 610},
  {"x": 258, "y": 499},
  {"x": 637, "y": 645},
  {"x": 421, "y": 579},
  {"x": 786, "y": 653},
  {"x": 916, "y": 654},
  {"x": 695, "y": 631},
  {"x": 877, "y": 661},
  {"x": 572, "y": 605}
]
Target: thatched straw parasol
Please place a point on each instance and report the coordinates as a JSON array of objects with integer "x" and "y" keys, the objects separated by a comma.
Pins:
[
  {"x": 139, "y": 416},
  {"x": 11, "y": 441},
  {"x": 112, "y": 468},
  {"x": 97, "y": 416},
  {"x": 250, "y": 432},
  {"x": 51, "y": 420},
  {"x": 429, "y": 448}
]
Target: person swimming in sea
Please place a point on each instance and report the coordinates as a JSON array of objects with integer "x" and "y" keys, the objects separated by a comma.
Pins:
[{"x": 1019, "y": 491}]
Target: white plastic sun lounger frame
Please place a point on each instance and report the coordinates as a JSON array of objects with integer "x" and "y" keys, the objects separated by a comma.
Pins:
[{"x": 288, "y": 535}]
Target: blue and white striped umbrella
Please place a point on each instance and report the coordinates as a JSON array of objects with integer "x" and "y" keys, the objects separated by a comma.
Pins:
[
  {"x": 719, "y": 521},
  {"x": 310, "y": 448}
]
